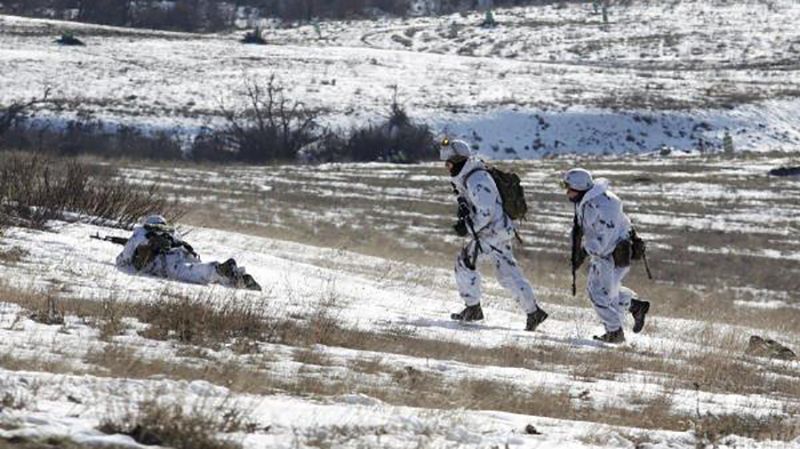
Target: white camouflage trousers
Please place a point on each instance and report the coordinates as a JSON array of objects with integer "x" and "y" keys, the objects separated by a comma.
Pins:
[
  {"x": 468, "y": 278},
  {"x": 604, "y": 285},
  {"x": 182, "y": 266}
]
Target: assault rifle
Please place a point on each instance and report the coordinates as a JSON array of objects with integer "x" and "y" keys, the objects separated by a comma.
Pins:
[
  {"x": 463, "y": 215},
  {"x": 577, "y": 256},
  {"x": 108, "y": 238},
  {"x": 167, "y": 242}
]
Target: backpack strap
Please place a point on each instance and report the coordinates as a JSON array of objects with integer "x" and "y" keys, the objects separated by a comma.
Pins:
[{"x": 472, "y": 172}]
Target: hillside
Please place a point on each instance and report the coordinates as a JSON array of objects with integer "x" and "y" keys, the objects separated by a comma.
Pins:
[
  {"x": 345, "y": 349},
  {"x": 545, "y": 81}
]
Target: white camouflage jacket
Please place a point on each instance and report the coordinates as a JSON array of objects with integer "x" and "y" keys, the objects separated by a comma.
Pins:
[
  {"x": 602, "y": 219},
  {"x": 139, "y": 238},
  {"x": 480, "y": 191}
]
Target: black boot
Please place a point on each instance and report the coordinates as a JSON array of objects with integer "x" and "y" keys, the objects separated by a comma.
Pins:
[
  {"x": 227, "y": 269},
  {"x": 639, "y": 311},
  {"x": 617, "y": 336},
  {"x": 535, "y": 319},
  {"x": 470, "y": 313},
  {"x": 250, "y": 283}
]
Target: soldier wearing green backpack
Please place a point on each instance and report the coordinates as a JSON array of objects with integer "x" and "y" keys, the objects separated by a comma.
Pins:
[{"x": 488, "y": 202}]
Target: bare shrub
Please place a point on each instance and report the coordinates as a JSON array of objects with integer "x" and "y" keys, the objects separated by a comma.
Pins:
[
  {"x": 271, "y": 128},
  {"x": 154, "y": 423},
  {"x": 35, "y": 189},
  {"x": 17, "y": 111}
]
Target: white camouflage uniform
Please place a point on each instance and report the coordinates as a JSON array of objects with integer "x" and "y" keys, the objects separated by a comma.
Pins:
[
  {"x": 604, "y": 226},
  {"x": 495, "y": 231},
  {"x": 178, "y": 263}
]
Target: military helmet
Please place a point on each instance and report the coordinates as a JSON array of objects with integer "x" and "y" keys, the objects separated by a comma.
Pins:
[{"x": 577, "y": 179}]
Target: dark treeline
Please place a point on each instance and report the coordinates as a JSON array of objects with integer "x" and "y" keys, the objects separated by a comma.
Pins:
[{"x": 215, "y": 15}]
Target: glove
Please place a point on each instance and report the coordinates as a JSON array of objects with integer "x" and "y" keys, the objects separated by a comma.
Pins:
[
  {"x": 160, "y": 243},
  {"x": 463, "y": 209},
  {"x": 461, "y": 228},
  {"x": 142, "y": 256},
  {"x": 189, "y": 248}
]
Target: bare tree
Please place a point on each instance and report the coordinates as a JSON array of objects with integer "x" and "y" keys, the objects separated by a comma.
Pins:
[{"x": 270, "y": 128}]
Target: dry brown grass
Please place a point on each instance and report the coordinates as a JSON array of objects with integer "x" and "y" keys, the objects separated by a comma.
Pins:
[
  {"x": 202, "y": 319},
  {"x": 12, "y": 256},
  {"x": 199, "y": 322},
  {"x": 710, "y": 429},
  {"x": 321, "y": 375},
  {"x": 12, "y": 400},
  {"x": 412, "y": 387},
  {"x": 12, "y": 362},
  {"x": 154, "y": 423},
  {"x": 370, "y": 365},
  {"x": 35, "y": 189},
  {"x": 311, "y": 356},
  {"x": 46, "y": 443}
]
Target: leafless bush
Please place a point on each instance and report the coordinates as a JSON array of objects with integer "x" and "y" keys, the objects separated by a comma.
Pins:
[
  {"x": 170, "y": 425},
  {"x": 35, "y": 189},
  {"x": 16, "y": 111},
  {"x": 94, "y": 137},
  {"x": 271, "y": 128}
]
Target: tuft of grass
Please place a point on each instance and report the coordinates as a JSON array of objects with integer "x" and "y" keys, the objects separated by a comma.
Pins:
[
  {"x": 311, "y": 356},
  {"x": 203, "y": 320},
  {"x": 12, "y": 256},
  {"x": 711, "y": 429},
  {"x": 154, "y": 423},
  {"x": 13, "y": 401},
  {"x": 49, "y": 311}
]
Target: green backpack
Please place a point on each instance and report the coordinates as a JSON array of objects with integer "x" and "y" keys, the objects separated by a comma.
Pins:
[{"x": 511, "y": 191}]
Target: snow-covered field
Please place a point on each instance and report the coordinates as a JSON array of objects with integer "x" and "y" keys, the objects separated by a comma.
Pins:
[
  {"x": 72, "y": 400},
  {"x": 349, "y": 344},
  {"x": 370, "y": 358},
  {"x": 547, "y": 80},
  {"x": 721, "y": 214}
]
